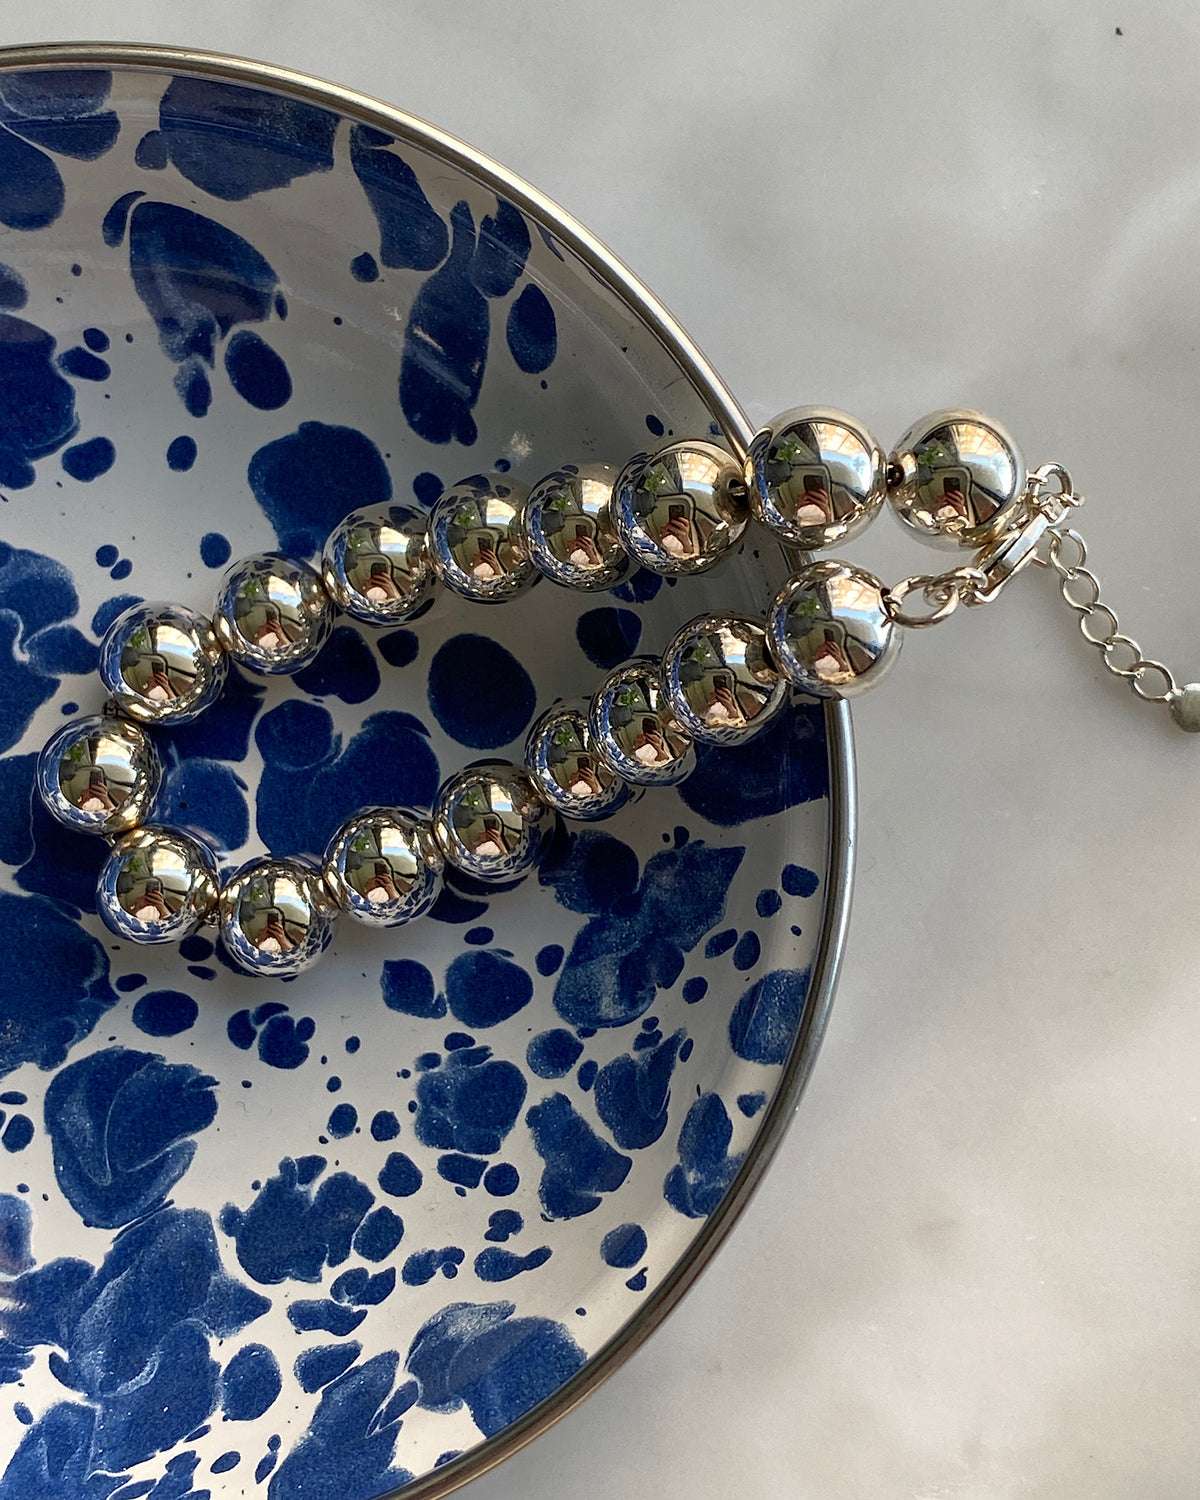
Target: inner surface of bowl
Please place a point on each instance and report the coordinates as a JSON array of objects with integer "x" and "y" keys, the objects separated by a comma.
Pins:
[{"x": 321, "y": 1239}]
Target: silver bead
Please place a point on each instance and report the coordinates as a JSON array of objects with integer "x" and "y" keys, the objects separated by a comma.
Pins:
[
  {"x": 568, "y": 773},
  {"x": 477, "y": 540},
  {"x": 570, "y": 531},
  {"x": 829, "y": 632},
  {"x": 157, "y": 886},
  {"x": 383, "y": 866},
  {"x": 634, "y": 731},
  {"x": 678, "y": 511},
  {"x": 162, "y": 663},
  {"x": 720, "y": 682},
  {"x": 958, "y": 477},
  {"x": 272, "y": 614},
  {"x": 816, "y": 477},
  {"x": 99, "y": 775},
  {"x": 376, "y": 564},
  {"x": 276, "y": 917},
  {"x": 491, "y": 823}
]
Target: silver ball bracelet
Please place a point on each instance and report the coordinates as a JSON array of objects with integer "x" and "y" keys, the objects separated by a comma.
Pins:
[{"x": 814, "y": 477}]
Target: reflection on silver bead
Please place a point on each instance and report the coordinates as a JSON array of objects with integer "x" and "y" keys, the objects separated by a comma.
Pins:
[
  {"x": 634, "y": 731},
  {"x": 491, "y": 823},
  {"x": 720, "y": 682},
  {"x": 829, "y": 632},
  {"x": 477, "y": 540},
  {"x": 376, "y": 564},
  {"x": 570, "y": 531},
  {"x": 276, "y": 917},
  {"x": 562, "y": 760},
  {"x": 162, "y": 663},
  {"x": 383, "y": 866},
  {"x": 99, "y": 775},
  {"x": 958, "y": 477},
  {"x": 678, "y": 511},
  {"x": 272, "y": 614},
  {"x": 157, "y": 886},
  {"x": 816, "y": 477}
]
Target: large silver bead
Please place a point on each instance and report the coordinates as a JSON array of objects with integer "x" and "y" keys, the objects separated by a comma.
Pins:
[
  {"x": 162, "y": 663},
  {"x": 477, "y": 539},
  {"x": 276, "y": 917},
  {"x": 561, "y": 758},
  {"x": 570, "y": 531},
  {"x": 383, "y": 866},
  {"x": 829, "y": 632},
  {"x": 376, "y": 564},
  {"x": 272, "y": 614},
  {"x": 99, "y": 775},
  {"x": 634, "y": 730},
  {"x": 721, "y": 684},
  {"x": 816, "y": 477},
  {"x": 680, "y": 510},
  {"x": 957, "y": 479},
  {"x": 157, "y": 886},
  {"x": 491, "y": 823}
]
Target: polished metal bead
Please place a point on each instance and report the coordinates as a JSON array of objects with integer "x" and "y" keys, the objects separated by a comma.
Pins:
[
  {"x": 561, "y": 758},
  {"x": 99, "y": 775},
  {"x": 157, "y": 886},
  {"x": 720, "y": 682},
  {"x": 829, "y": 632},
  {"x": 477, "y": 539},
  {"x": 383, "y": 866},
  {"x": 570, "y": 531},
  {"x": 816, "y": 477},
  {"x": 680, "y": 510},
  {"x": 634, "y": 730},
  {"x": 162, "y": 663},
  {"x": 376, "y": 564},
  {"x": 272, "y": 614},
  {"x": 276, "y": 917},
  {"x": 491, "y": 823},
  {"x": 957, "y": 479}
]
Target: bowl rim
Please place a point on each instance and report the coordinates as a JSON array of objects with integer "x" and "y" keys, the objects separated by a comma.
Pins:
[{"x": 842, "y": 830}]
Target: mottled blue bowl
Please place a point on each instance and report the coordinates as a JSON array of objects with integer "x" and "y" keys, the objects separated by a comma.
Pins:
[{"x": 376, "y": 1228}]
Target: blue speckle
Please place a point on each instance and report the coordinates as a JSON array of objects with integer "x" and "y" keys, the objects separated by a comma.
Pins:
[
  {"x": 767, "y": 1017},
  {"x": 83, "y": 365},
  {"x": 106, "y": 555},
  {"x": 226, "y": 1462},
  {"x": 470, "y": 1105},
  {"x": 552, "y": 1054},
  {"x": 751, "y": 1104},
  {"x": 96, "y": 339},
  {"x": 256, "y": 372},
  {"x": 309, "y": 1168},
  {"x": 705, "y": 1169},
  {"x": 342, "y": 1121},
  {"x": 456, "y": 1041},
  {"x": 637, "y": 1282},
  {"x": 549, "y": 959},
  {"x": 181, "y": 455},
  {"x": 428, "y": 489},
  {"x": 120, "y": 1125},
  {"x": 123, "y": 568},
  {"x": 359, "y": 1288},
  {"x": 379, "y": 1234},
  {"x": 317, "y": 1367},
  {"x": 215, "y": 550},
  {"x": 399, "y": 647},
  {"x": 465, "y": 1171},
  {"x": 797, "y": 881},
  {"x": 308, "y": 1316},
  {"x": 479, "y": 937},
  {"x": 58, "y": 111},
  {"x": 384, "y": 1126},
  {"x": 289, "y": 1232},
  {"x": 586, "y": 1076},
  {"x": 503, "y": 249},
  {"x": 480, "y": 693},
  {"x": 411, "y": 233},
  {"x": 110, "y": 609},
  {"x": 421, "y": 1268},
  {"x": 686, "y": 1050},
  {"x": 112, "y": 229},
  {"x": 623, "y": 1247},
  {"x": 333, "y": 1083},
  {"x": 748, "y": 950},
  {"x": 608, "y": 636},
  {"x": 364, "y": 267},
  {"x": 633, "y": 1094},
  {"x": 165, "y": 1013},
  {"x": 206, "y": 797},
  {"x": 22, "y": 1413},
  {"x": 502, "y": 1180},
  {"x": 344, "y": 668},
  {"x": 639, "y": 588},
  {"x": 17, "y": 1133},
  {"x": 483, "y": 989},
  {"x": 87, "y": 461},
  {"x": 654, "y": 424},
  {"x": 695, "y": 989},
  {"x": 193, "y": 948},
  {"x": 494, "y": 1264},
  {"x": 578, "y": 1164},
  {"x": 720, "y": 942},
  {"x": 768, "y": 902},
  {"x": 151, "y": 151},
  {"x": 503, "y": 1224},
  {"x": 784, "y": 766},
  {"x": 531, "y": 331},
  {"x": 13, "y": 1096},
  {"x": 400, "y": 1176},
  {"x": 353, "y": 1043},
  {"x": 13, "y": 292},
  {"x": 427, "y": 1061}
]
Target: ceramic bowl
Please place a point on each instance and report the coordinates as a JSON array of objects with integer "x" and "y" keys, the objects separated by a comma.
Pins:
[{"x": 375, "y": 1227}]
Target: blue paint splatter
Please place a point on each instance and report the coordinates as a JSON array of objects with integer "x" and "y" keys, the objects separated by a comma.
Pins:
[
  {"x": 60, "y": 111},
  {"x": 549, "y": 959},
  {"x": 320, "y": 1314},
  {"x": 13, "y": 292},
  {"x": 637, "y": 1283},
  {"x": 751, "y": 1104},
  {"x": 608, "y": 636},
  {"x": 623, "y": 1247},
  {"x": 256, "y": 372},
  {"x": 97, "y": 340},
  {"x": 456, "y": 1041},
  {"x": 181, "y": 455},
  {"x": 225, "y": 1462},
  {"x": 471, "y": 1104},
  {"x": 411, "y": 233},
  {"x": 315, "y": 1368},
  {"x": 233, "y": 141},
  {"x": 502, "y": 1180},
  {"x": 579, "y": 1165},
  {"x": 16, "y": 1226},
  {"x": 359, "y": 1288},
  {"x": 83, "y": 365},
  {"x": 342, "y": 1121},
  {"x": 494, "y": 1264},
  {"x": 767, "y": 1017},
  {"x": 289, "y": 1232},
  {"x": 502, "y": 251},
  {"x": 309, "y": 480},
  {"x": 364, "y": 267},
  {"x": 408, "y": 988},
  {"x": 498, "y": 1365},
  {"x": 552, "y": 1054},
  {"x": 384, "y": 1126},
  {"x": 531, "y": 331},
  {"x": 483, "y": 989},
  {"x": 250, "y": 1383},
  {"x": 783, "y": 767},
  {"x": 345, "y": 668},
  {"x": 17, "y": 1133},
  {"x": 215, "y": 550},
  {"x": 586, "y": 1076},
  {"x": 633, "y": 1094},
  {"x": 202, "y": 796},
  {"x": 421, "y": 1268},
  {"x": 399, "y": 647},
  {"x": 640, "y": 588},
  {"x": 463, "y": 1171},
  {"x": 37, "y": 406},
  {"x": 151, "y": 151},
  {"x": 797, "y": 881},
  {"x": 106, "y": 555},
  {"x": 400, "y": 1176},
  {"x": 748, "y": 951},
  {"x": 479, "y": 937},
  {"x": 125, "y": 566},
  {"x": 706, "y": 1169},
  {"x": 768, "y": 902},
  {"x": 378, "y": 1234},
  {"x": 112, "y": 229},
  {"x": 165, "y": 1013},
  {"x": 480, "y": 693},
  {"x": 719, "y": 943},
  {"x": 503, "y": 1224}
]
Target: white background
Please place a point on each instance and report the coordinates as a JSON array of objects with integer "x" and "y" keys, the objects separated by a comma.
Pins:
[{"x": 974, "y": 1270}]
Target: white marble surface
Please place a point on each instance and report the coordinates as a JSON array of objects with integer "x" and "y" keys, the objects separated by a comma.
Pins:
[{"x": 974, "y": 1270}]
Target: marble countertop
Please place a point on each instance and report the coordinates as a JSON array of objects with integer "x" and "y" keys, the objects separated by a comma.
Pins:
[{"x": 972, "y": 1273}]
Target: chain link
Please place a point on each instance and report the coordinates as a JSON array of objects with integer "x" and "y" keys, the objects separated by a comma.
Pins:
[{"x": 943, "y": 592}]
